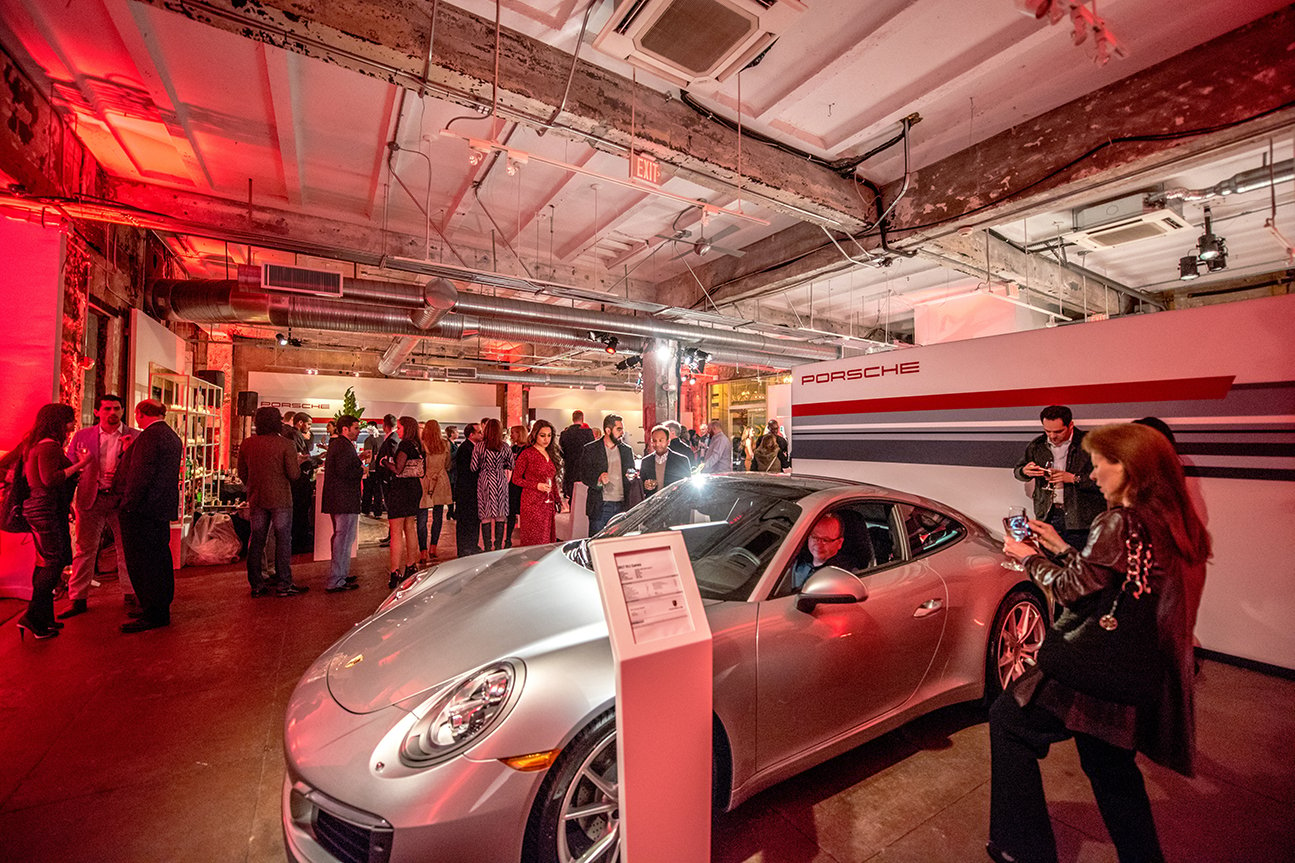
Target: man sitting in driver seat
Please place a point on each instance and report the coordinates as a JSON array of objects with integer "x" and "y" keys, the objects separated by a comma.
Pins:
[{"x": 825, "y": 542}]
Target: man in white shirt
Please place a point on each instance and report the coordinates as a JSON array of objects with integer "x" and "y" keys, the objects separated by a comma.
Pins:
[
  {"x": 96, "y": 505},
  {"x": 719, "y": 452}
]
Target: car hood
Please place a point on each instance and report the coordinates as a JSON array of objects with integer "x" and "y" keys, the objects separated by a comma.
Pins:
[{"x": 520, "y": 603}]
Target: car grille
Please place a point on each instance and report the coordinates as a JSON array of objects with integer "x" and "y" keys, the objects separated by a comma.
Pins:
[{"x": 351, "y": 843}]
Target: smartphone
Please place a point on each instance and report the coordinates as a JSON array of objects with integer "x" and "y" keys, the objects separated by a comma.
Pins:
[{"x": 1018, "y": 527}]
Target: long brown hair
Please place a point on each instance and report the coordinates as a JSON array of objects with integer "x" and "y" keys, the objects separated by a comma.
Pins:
[
  {"x": 493, "y": 435},
  {"x": 409, "y": 430},
  {"x": 1154, "y": 483},
  {"x": 433, "y": 440},
  {"x": 554, "y": 452}
]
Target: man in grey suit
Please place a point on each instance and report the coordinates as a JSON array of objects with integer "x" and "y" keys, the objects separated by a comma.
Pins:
[
  {"x": 149, "y": 482},
  {"x": 96, "y": 504}
]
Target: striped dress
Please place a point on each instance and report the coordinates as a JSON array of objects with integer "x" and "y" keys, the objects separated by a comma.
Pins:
[{"x": 492, "y": 481}]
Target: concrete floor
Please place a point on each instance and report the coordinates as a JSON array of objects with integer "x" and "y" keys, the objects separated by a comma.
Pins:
[{"x": 166, "y": 746}]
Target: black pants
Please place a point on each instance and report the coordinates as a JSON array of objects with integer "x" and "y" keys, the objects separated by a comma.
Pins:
[
  {"x": 372, "y": 502},
  {"x": 1018, "y": 812},
  {"x": 1076, "y": 539},
  {"x": 147, "y": 543},
  {"x": 53, "y": 540},
  {"x": 467, "y": 527}
]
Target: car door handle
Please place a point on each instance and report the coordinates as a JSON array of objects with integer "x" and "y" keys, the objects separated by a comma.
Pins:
[{"x": 931, "y": 606}]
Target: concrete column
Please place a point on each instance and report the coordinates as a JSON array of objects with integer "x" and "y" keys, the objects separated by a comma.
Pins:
[{"x": 660, "y": 383}]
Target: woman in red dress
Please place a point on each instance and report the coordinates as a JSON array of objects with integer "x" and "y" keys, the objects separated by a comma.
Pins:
[{"x": 537, "y": 472}]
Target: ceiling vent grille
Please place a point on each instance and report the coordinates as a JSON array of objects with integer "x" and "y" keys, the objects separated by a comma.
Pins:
[
  {"x": 1125, "y": 220},
  {"x": 450, "y": 373},
  {"x": 298, "y": 280},
  {"x": 689, "y": 42}
]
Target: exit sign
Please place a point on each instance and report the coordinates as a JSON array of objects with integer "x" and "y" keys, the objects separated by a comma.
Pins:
[{"x": 645, "y": 168}]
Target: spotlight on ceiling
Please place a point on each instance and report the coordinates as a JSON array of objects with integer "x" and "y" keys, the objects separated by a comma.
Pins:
[
  {"x": 1188, "y": 268},
  {"x": 1209, "y": 245},
  {"x": 281, "y": 339},
  {"x": 692, "y": 380},
  {"x": 610, "y": 343},
  {"x": 700, "y": 360},
  {"x": 629, "y": 363}
]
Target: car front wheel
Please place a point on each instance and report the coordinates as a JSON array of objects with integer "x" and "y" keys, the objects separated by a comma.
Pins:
[
  {"x": 1014, "y": 642},
  {"x": 576, "y": 818}
]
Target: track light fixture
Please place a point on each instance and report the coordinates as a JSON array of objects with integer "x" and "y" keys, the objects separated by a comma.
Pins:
[
  {"x": 695, "y": 359},
  {"x": 629, "y": 363},
  {"x": 609, "y": 343},
  {"x": 281, "y": 339},
  {"x": 1211, "y": 250}
]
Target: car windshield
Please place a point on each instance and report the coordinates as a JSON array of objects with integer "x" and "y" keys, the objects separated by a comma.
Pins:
[{"x": 732, "y": 526}]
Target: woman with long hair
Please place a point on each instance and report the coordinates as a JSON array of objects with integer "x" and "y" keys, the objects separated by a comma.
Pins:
[
  {"x": 50, "y": 476},
  {"x": 436, "y": 489},
  {"x": 538, "y": 474},
  {"x": 492, "y": 459},
  {"x": 1115, "y": 670},
  {"x": 765, "y": 455},
  {"x": 404, "y": 493}
]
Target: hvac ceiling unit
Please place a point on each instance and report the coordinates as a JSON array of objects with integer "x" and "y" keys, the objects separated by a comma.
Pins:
[
  {"x": 299, "y": 280},
  {"x": 1125, "y": 220},
  {"x": 450, "y": 373},
  {"x": 689, "y": 42}
]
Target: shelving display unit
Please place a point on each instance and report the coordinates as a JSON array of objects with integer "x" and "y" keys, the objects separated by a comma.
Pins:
[{"x": 194, "y": 412}]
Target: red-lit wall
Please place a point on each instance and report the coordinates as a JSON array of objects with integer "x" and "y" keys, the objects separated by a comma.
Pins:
[{"x": 31, "y": 288}]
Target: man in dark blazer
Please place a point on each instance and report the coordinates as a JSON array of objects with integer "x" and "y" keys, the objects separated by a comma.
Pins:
[
  {"x": 148, "y": 482},
  {"x": 677, "y": 443},
  {"x": 662, "y": 465},
  {"x": 343, "y": 472},
  {"x": 572, "y": 442},
  {"x": 607, "y": 468},
  {"x": 383, "y": 459},
  {"x": 467, "y": 522}
]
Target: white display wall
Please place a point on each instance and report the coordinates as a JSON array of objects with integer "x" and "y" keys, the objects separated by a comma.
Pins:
[
  {"x": 950, "y": 420},
  {"x": 555, "y": 404},
  {"x": 151, "y": 344},
  {"x": 321, "y": 397}
]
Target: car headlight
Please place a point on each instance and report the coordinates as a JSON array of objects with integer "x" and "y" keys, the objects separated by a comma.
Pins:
[{"x": 452, "y": 721}]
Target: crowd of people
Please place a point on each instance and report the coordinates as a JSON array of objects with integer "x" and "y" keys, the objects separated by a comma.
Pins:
[{"x": 498, "y": 491}]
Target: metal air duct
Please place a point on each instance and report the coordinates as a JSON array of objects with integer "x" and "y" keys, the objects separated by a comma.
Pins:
[{"x": 1246, "y": 181}]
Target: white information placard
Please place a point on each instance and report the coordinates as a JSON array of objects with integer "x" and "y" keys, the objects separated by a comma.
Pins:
[{"x": 661, "y": 644}]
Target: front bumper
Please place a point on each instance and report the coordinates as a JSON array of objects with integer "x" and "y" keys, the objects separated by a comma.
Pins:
[{"x": 347, "y": 798}]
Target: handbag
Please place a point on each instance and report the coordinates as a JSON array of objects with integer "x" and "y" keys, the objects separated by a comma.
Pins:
[
  {"x": 1107, "y": 644},
  {"x": 16, "y": 492}
]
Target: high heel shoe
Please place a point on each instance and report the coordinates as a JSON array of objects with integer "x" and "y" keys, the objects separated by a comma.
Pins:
[
  {"x": 25, "y": 626},
  {"x": 393, "y": 579}
]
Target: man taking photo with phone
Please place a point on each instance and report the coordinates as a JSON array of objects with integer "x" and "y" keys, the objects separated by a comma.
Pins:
[{"x": 1065, "y": 495}]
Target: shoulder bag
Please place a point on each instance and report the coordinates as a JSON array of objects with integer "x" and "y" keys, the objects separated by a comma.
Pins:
[{"x": 16, "y": 492}]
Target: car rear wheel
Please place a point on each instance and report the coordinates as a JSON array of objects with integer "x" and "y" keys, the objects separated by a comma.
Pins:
[
  {"x": 576, "y": 818},
  {"x": 1019, "y": 627}
]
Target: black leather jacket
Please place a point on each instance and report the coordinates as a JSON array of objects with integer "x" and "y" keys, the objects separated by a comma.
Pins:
[{"x": 1083, "y": 499}]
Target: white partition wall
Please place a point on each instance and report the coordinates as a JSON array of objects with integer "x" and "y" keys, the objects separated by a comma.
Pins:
[
  {"x": 321, "y": 396},
  {"x": 950, "y": 420}
]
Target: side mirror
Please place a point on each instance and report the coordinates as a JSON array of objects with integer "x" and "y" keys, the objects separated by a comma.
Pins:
[{"x": 831, "y": 585}]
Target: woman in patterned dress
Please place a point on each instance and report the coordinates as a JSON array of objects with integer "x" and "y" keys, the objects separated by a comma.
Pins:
[
  {"x": 493, "y": 459},
  {"x": 536, "y": 474},
  {"x": 436, "y": 490}
]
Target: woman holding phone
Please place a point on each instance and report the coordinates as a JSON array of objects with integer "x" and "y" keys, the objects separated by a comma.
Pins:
[{"x": 1136, "y": 587}]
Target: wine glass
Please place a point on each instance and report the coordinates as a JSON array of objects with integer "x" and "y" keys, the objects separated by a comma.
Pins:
[{"x": 1017, "y": 526}]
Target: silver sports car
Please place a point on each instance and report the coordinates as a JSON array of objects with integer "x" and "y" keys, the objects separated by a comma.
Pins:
[{"x": 471, "y": 717}]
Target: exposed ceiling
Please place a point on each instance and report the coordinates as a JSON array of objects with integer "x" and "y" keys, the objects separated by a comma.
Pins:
[{"x": 164, "y": 99}]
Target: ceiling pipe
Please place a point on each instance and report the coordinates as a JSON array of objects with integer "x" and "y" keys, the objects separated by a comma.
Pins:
[
  {"x": 537, "y": 379},
  {"x": 1246, "y": 181},
  {"x": 605, "y": 322}
]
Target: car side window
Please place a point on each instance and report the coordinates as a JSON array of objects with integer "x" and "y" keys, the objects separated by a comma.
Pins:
[
  {"x": 866, "y": 543},
  {"x": 929, "y": 530}
]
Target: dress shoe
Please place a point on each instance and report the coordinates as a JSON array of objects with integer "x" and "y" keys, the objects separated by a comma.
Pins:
[
  {"x": 352, "y": 579},
  {"x": 292, "y": 590},
  {"x": 135, "y": 615},
  {"x": 350, "y": 585},
  {"x": 79, "y": 606},
  {"x": 998, "y": 855},
  {"x": 142, "y": 624}
]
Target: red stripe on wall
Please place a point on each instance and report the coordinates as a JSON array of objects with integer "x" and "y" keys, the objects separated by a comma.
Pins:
[{"x": 1083, "y": 394}]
